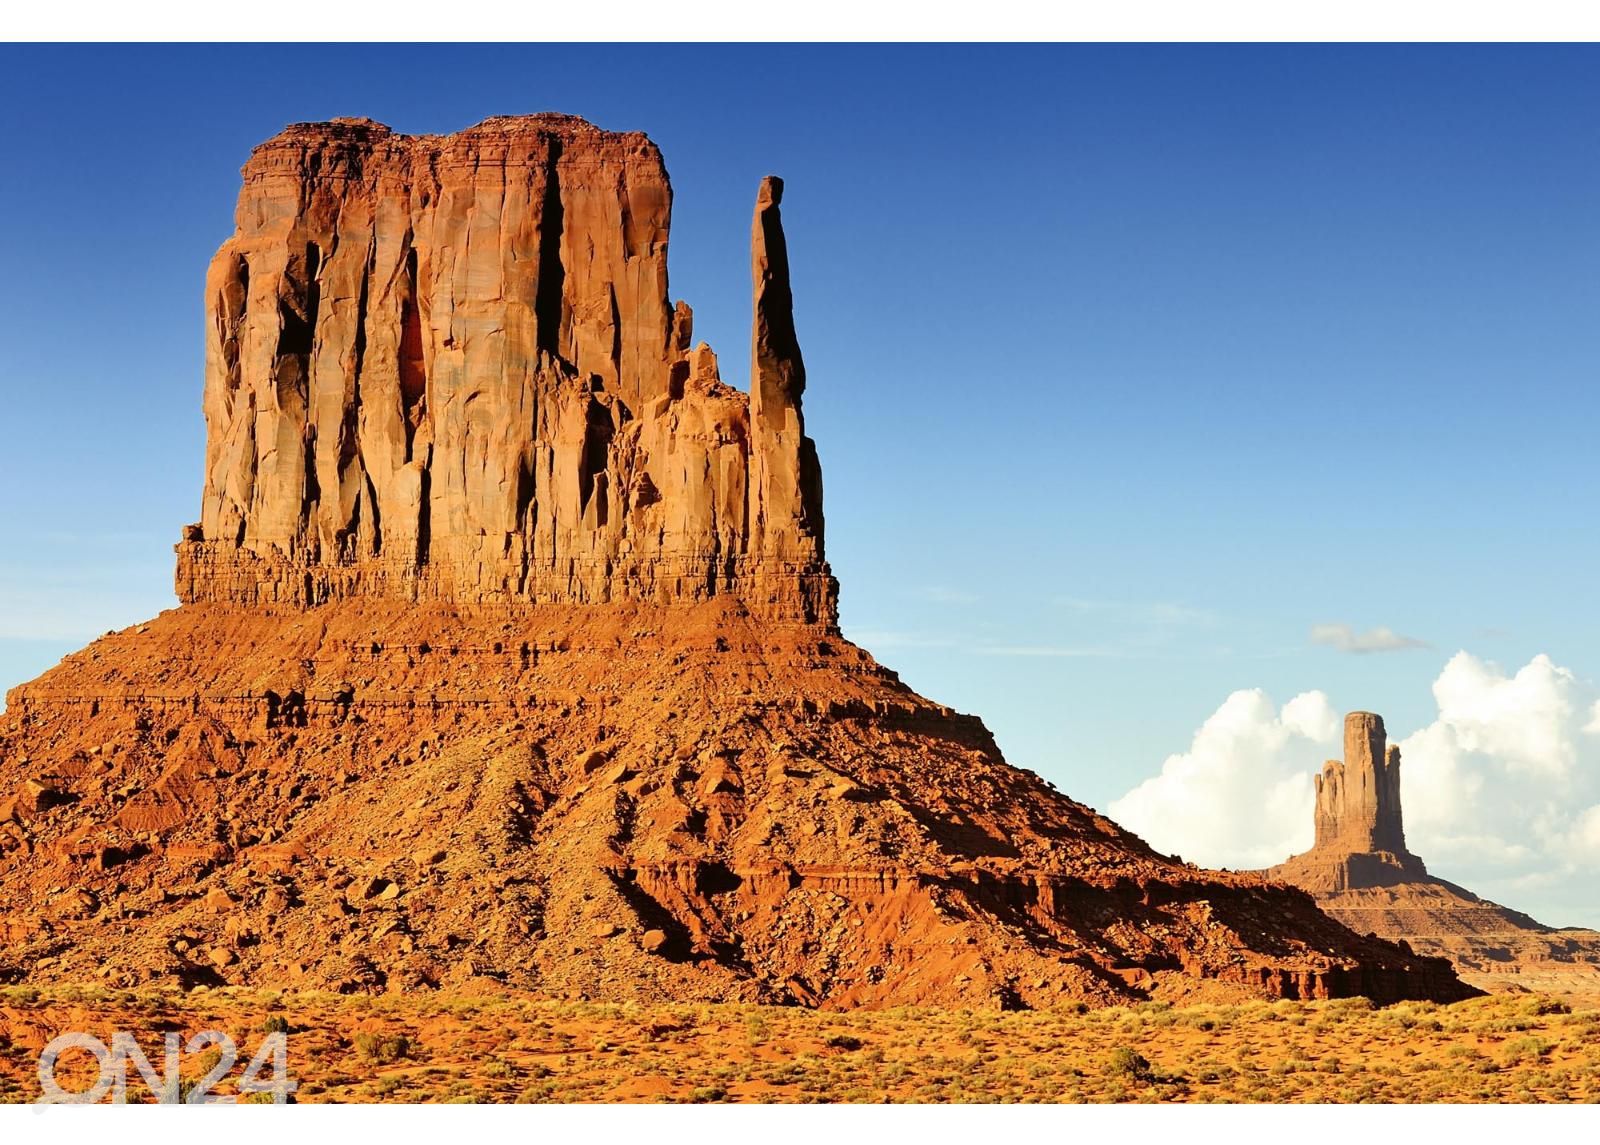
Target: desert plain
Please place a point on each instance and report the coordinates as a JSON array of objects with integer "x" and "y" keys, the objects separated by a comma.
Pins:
[{"x": 520, "y": 1048}]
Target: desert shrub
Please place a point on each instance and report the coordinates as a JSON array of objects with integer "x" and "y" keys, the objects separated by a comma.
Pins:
[
  {"x": 1128, "y": 1064},
  {"x": 1539, "y": 1007},
  {"x": 1525, "y": 1049},
  {"x": 382, "y": 1049},
  {"x": 1357, "y": 1004},
  {"x": 259, "y": 1098},
  {"x": 276, "y": 1024}
]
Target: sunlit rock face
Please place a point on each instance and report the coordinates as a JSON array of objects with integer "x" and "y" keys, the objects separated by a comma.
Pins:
[{"x": 447, "y": 368}]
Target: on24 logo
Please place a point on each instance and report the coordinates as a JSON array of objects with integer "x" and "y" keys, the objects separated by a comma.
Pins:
[{"x": 166, "y": 1087}]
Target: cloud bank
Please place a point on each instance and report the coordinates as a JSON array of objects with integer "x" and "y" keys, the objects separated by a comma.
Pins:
[
  {"x": 1501, "y": 789},
  {"x": 1241, "y": 796}
]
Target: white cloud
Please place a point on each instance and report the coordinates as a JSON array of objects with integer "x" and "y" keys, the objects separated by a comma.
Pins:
[
  {"x": 1585, "y": 837},
  {"x": 1501, "y": 789},
  {"x": 1347, "y": 639},
  {"x": 1242, "y": 795}
]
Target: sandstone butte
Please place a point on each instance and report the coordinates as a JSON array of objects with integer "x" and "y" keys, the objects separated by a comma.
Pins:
[
  {"x": 1362, "y": 873},
  {"x": 508, "y": 654}
]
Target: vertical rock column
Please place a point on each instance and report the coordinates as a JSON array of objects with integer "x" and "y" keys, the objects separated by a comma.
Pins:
[
  {"x": 786, "y": 481},
  {"x": 1389, "y": 832},
  {"x": 1358, "y": 800}
]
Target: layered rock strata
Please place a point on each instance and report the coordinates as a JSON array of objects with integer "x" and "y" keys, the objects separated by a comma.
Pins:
[{"x": 621, "y": 801}]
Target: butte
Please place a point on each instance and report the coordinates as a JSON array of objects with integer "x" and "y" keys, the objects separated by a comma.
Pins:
[
  {"x": 1363, "y": 874},
  {"x": 508, "y": 655}
]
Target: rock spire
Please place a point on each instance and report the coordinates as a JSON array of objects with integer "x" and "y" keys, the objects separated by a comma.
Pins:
[
  {"x": 1360, "y": 836},
  {"x": 787, "y": 497},
  {"x": 1358, "y": 800}
]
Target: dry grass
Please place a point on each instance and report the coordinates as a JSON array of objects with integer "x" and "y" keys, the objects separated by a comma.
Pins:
[{"x": 513, "y": 1048}]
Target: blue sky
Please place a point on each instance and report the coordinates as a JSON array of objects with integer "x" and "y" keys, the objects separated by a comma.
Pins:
[{"x": 1128, "y": 366}]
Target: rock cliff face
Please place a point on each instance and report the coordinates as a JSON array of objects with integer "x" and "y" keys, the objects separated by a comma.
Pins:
[
  {"x": 508, "y": 655},
  {"x": 447, "y": 368},
  {"x": 1362, "y": 873}
]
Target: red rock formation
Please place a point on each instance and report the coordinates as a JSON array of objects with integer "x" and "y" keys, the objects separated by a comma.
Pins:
[
  {"x": 786, "y": 516},
  {"x": 1362, "y": 874},
  {"x": 508, "y": 651},
  {"x": 1359, "y": 833},
  {"x": 446, "y": 368}
]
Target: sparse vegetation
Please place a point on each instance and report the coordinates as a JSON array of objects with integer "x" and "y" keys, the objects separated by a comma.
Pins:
[{"x": 514, "y": 1048}]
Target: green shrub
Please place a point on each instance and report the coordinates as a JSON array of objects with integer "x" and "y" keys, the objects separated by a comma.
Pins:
[
  {"x": 1128, "y": 1064},
  {"x": 382, "y": 1049}
]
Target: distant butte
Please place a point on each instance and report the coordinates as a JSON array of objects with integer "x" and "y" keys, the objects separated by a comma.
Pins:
[
  {"x": 1363, "y": 874},
  {"x": 508, "y": 655}
]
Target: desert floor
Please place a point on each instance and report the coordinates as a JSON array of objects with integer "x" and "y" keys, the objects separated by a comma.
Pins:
[{"x": 499, "y": 1048}]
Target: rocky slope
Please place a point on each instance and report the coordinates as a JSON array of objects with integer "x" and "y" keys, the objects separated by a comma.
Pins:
[
  {"x": 508, "y": 652},
  {"x": 1363, "y": 874}
]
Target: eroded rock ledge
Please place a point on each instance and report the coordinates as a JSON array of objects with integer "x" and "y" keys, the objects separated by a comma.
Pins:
[{"x": 447, "y": 368}]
